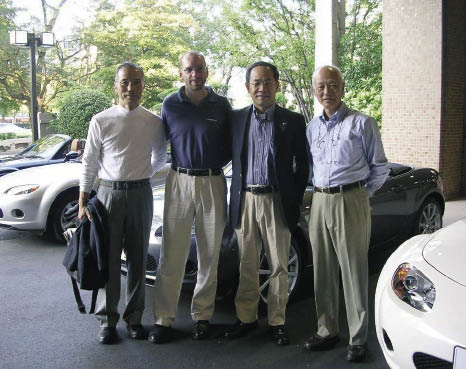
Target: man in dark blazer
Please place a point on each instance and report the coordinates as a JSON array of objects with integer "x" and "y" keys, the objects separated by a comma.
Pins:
[{"x": 270, "y": 173}]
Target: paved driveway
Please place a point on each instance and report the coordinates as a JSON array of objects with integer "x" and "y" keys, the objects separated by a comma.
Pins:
[{"x": 40, "y": 326}]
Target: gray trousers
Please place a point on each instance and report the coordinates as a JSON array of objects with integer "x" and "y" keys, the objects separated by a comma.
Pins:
[
  {"x": 129, "y": 222},
  {"x": 339, "y": 230},
  {"x": 262, "y": 224},
  {"x": 201, "y": 199}
]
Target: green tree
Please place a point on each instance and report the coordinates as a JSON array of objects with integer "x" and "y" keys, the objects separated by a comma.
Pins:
[
  {"x": 279, "y": 31},
  {"x": 151, "y": 33},
  {"x": 76, "y": 111},
  {"x": 56, "y": 67},
  {"x": 361, "y": 57}
]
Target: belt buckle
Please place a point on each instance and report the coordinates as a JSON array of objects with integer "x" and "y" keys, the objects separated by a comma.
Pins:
[{"x": 325, "y": 189}]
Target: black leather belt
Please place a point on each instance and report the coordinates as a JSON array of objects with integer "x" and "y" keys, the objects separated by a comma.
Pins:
[
  {"x": 338, "y": 189},
  {"x": 124, "y": 185},
  {"x": 197, "y": 172},
  {"x": 260, "y": 189}
]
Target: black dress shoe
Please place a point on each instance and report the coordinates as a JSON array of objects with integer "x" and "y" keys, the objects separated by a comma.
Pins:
[
  {"x": 160, "y": 334},
  {"x": 318, "y": 343},
  {"x": 239, "y": 329},
  {"x": 200, "y": 329},
  {"x": 356, "y": 353},
  {"x": 136, "y": 332},
  {"x": 107, "y": 335},
  {"x": 279, "y": 335}
]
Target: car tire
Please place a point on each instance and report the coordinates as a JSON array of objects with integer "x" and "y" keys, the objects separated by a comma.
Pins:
[
  {"x": 429, "y": 217},
  {"x": 295, "y": 272},
  {"x": 56, "y": 223}
]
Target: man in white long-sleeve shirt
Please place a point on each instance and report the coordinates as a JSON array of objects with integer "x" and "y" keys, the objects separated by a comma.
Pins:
[{"x": 125, "y": 146}]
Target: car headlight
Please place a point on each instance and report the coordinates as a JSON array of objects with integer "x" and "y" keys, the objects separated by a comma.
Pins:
[
  {"x": 413, "y": 287},
  {"x": 22, "y": 190}
]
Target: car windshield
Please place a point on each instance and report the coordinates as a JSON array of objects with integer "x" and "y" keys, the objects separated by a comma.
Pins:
[{"x": 44, "y": 147}]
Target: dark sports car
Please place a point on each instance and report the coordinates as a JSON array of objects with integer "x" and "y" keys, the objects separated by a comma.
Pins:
[
  {"x": 410, "y": 202},
  {"x": 50, "y": 149}
]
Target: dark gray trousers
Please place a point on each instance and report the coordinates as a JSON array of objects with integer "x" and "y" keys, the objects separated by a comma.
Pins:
[{"x": 129, "y": 222}]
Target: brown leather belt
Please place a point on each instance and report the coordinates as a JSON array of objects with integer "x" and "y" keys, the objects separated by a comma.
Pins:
[{"x": 338, "y": 189}]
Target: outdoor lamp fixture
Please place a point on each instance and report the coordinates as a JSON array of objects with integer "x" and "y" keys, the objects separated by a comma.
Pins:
[{"x": 28, "y": 39}]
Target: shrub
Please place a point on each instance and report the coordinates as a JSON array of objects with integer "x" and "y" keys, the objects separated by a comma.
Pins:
[{"x": 76, "y": 111}]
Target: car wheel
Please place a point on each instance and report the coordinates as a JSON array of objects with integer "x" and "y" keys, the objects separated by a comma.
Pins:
[
  {"x": 56, "y": 222},
  {"x": 295, "y": 268},
  {"x": 429, "y": 218}
]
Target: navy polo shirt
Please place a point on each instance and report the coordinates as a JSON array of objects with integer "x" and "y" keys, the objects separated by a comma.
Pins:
[{"x": 199, "y": 135}]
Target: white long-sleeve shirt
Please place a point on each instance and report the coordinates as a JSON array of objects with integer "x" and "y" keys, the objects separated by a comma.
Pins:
[{"x": 123, "y": 145}]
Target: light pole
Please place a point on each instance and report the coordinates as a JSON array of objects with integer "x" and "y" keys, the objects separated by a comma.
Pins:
[{"x": 29, "y": 39}]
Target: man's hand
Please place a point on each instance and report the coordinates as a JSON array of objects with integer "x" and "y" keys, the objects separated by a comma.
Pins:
[{"x": 83, "y": 210}]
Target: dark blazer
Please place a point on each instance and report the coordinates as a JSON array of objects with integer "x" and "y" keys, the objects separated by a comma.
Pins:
[{"x": 291, "y": 161}]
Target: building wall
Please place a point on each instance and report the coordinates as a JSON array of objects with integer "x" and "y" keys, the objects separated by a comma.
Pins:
[
  {"x": 453, "y": 129},
  {"x": 423, "y": 90}
]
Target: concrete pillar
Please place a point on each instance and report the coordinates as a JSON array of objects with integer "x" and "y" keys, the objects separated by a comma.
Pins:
[{"x": 330, "y": 26}]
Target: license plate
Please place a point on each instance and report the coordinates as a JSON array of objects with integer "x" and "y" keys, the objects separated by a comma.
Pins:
[{"x": 459, "y": 361}]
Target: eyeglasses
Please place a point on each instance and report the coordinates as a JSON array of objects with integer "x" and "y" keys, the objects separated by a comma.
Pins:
[
  {"x": 258, "y": 83},
  {"x": 189, "y": 70}
]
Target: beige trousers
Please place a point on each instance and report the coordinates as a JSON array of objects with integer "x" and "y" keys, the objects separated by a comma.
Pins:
[
  {"x": 339, "y": 230},
  {"x": 201, "y": 199},
  {"x": 262, "y": 224}
]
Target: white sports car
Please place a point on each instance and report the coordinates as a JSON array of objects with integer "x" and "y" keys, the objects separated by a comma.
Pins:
[
  {"x": 36, "y": 199},
  {"x": 420, "y": 301}
]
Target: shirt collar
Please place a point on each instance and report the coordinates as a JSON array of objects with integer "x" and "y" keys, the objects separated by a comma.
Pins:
[
  {"x": 268, "y": 115},
  {"x": 338, "y": 116}
]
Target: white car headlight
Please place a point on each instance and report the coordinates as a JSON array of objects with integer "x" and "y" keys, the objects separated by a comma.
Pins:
[
  {"x": 22, "y": 190},
  {"x": 413, "y": 287}
]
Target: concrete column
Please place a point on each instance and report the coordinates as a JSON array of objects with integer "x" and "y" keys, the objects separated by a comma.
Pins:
[{"x": 330, "y": 26}]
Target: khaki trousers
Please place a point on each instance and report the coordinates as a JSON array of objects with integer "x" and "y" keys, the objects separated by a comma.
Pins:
[
  {"x": 339, "y": 230},
  {"x": 201, "y": 199},
  {"x": 262, "y": 224}
]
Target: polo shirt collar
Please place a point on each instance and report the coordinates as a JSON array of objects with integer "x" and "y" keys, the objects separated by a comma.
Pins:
[{"x": 211, "y": 96}]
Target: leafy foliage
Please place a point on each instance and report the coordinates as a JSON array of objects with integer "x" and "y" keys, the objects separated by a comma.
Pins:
[
  {"x": 361, "y": 58},
  {"x": 77, "y": 110}
]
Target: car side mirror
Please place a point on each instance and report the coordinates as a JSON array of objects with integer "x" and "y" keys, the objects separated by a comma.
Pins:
[{"x": 71, "y": 155}]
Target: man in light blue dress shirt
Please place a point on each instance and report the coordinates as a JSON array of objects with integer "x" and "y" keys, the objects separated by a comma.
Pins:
[{"x": 348, "y": 165}]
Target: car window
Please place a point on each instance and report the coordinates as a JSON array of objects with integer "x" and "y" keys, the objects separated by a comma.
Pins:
[{"x": 44, "y": 147}]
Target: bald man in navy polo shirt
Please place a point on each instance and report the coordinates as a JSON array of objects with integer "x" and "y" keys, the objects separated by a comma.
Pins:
[{"x": 196, "y": 121}]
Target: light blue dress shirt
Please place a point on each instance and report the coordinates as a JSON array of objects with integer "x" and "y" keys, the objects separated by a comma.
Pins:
[
  {"x": 261, "y": 152},
  {"x": 346, "y": 148}
]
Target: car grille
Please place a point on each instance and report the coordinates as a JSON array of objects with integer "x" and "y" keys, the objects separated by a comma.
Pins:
[{"x": 425, "y": 361}]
